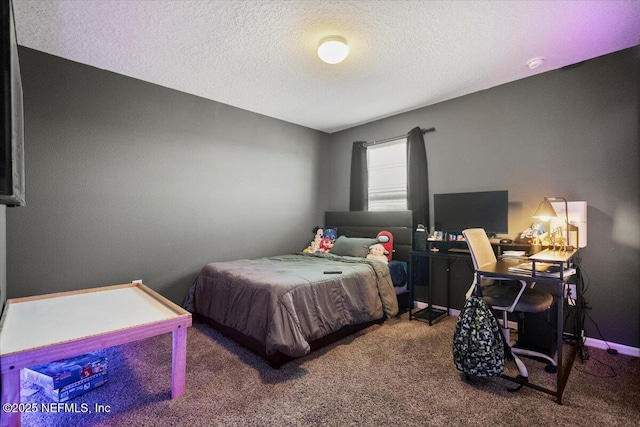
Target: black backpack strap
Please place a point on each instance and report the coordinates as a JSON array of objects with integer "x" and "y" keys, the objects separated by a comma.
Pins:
[
  {"x": 477, "y": 291},
  {"x": 507, "y": 348}
]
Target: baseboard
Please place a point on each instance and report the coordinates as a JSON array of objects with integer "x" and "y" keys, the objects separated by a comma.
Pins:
[
  {"x": 591, "y": 342},
  {"x": 621, "y": 348}
]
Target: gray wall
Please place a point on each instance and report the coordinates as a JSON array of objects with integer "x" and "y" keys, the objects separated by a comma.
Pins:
[
  {"x": 3, "y": 255},
  {"x": 129, "y": 180},
  {"x": 570, "y": 133}
]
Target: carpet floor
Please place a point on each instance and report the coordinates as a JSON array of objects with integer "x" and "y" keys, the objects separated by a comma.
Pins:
[{"x": 397, "y": 373}]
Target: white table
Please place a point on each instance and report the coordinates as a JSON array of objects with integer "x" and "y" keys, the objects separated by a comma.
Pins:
[{"x": 44, "y": 328}]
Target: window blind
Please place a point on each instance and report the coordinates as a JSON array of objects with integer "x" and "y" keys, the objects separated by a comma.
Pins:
[{"x": 387, "y": 165}]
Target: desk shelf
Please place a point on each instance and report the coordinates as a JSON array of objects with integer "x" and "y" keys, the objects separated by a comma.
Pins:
[{"x": 430, "y": 316}]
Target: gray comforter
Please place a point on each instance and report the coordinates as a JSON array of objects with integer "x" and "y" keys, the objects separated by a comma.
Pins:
[{"x": 287, "y": 301}]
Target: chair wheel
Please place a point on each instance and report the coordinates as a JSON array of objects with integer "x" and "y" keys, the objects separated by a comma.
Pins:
[{"x": 550, "y": 368}]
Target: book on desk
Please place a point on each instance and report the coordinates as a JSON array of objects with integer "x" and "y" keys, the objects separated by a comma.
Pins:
[
  {"x": 543, "y": 269},
  {"x": 514, "y": 254}
]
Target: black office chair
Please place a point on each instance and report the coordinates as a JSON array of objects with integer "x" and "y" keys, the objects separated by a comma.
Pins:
[{"x": 506, "y": 297}]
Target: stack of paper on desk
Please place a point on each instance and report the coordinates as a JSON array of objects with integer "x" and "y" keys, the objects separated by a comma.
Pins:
[
  {"x": 544, "y": 269},
  {"x": 513, "y": 254}
]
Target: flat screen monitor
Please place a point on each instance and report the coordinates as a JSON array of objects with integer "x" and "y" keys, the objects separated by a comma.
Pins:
[{"x": 455, "y": 212}]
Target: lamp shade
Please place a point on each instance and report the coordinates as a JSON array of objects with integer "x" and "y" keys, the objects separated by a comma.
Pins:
[
  {"x": 333, "y": 49},
  {"x": 545, "y": 210}
]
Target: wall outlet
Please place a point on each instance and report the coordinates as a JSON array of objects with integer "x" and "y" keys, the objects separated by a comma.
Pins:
[{"x": 571, "y": 293}]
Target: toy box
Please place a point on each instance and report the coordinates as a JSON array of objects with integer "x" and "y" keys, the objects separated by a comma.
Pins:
[
  {"x": 75, "y": 389},
  {"x": 62, "y": 373}
]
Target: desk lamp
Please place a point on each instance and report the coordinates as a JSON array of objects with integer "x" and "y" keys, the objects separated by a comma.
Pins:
[{"x": 545, "y": 211}]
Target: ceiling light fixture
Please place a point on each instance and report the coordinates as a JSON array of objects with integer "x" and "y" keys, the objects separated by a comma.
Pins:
[
  {"x": 535, "y": 62},
  {"x": 333, "y": 49}
]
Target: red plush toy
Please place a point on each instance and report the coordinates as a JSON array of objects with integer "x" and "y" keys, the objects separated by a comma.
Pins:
[
  {"x": 325, "y": 244},
  {"x": 388, "y": 244}
]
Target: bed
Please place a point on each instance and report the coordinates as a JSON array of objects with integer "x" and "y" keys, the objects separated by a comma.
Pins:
[{"x": 286, "y": 306}]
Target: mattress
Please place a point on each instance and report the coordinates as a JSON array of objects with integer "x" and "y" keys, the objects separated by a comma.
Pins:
[{"x": 286, "y": 302}]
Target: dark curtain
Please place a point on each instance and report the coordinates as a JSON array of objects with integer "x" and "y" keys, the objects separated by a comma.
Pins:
[
  {"x": 417, "y": 178},
  {"x": 358, "y": 198}
]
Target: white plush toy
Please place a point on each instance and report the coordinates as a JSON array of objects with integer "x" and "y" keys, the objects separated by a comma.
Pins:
[{"x": 378, "y": 252}]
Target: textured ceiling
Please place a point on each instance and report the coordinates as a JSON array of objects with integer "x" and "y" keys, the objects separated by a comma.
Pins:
[{"x": 261, "y": 55}]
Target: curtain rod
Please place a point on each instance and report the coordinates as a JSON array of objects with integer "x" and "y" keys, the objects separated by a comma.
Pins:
[{"x": 394, "y": 138}]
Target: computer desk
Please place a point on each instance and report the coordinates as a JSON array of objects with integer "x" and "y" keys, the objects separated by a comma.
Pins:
[
  {"x": 451, "y": 252},
  {"x": 429, "y": 313},
  {"x": 501, "y": 270}
]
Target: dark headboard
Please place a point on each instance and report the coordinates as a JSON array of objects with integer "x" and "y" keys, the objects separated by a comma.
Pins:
[{"x": 370, "y": 223}]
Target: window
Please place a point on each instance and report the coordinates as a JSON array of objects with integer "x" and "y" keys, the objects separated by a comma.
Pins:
[{"x": 387, "y": 165}]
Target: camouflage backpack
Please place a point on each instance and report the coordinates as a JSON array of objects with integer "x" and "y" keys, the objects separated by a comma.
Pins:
[{"x": 478, "y": 344}]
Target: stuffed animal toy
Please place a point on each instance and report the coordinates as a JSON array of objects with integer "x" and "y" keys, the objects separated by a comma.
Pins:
[
  {"x": 315, "y": 243},
  {"x": 378, "y": 252},
  {"x": 325, "y": 245},
  {"x": 386, "y": 239}
]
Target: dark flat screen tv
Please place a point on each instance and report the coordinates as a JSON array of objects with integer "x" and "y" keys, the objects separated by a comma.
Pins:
[
  {"x": 454, "y": 212},
  {"x": 11, "y": 125}
]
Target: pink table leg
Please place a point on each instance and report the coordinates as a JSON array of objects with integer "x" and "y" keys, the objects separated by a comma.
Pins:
[
  {"x": 10, "y": 384},
  {"x": 179, "y": 363}
]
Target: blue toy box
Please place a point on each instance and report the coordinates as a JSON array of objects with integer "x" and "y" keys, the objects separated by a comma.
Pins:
[
  {"x": 75, "y": 389},
  {"x": 63, "y": 377}
]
